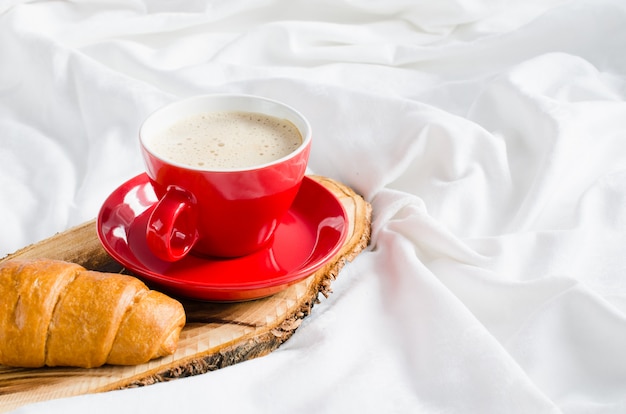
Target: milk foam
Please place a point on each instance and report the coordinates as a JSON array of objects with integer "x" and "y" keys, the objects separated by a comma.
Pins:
[{"x": 226, "y": 140}]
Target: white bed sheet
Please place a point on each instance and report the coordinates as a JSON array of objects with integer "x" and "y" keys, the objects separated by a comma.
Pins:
[{"x": 489, "y": 135}]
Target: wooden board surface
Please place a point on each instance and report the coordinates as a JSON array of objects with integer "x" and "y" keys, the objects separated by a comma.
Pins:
[{"x": 216, "y": 334}]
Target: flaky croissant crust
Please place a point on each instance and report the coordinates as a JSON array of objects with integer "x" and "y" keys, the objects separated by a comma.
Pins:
[{"x": 57, "y": 313}]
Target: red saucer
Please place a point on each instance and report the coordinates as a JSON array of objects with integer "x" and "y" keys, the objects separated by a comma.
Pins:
[{"x": 311, "y": 233}]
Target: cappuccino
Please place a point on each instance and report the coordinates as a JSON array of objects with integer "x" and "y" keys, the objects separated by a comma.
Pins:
[{"x": 226, "y": 140}]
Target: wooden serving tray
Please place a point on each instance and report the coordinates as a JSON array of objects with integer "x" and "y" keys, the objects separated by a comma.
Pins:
[{"x": 216, "y": 334}]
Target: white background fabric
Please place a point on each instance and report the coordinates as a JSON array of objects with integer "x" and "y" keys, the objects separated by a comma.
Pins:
[{"x": 489, "y": 135}]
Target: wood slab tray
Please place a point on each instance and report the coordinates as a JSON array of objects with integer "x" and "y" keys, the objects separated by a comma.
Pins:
[{"x": 216, "y": 334}]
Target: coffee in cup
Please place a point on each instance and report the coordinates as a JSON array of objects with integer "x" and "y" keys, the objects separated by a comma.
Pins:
[
  {"x": 225, "y": 140},
  {"x": 225, "y": 168}
]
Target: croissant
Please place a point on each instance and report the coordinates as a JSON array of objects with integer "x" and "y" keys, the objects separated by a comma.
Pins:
[{"x": 57, "y": 313}]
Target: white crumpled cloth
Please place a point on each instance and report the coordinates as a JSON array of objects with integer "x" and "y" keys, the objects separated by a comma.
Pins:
[{"x": 489, "y": 136}]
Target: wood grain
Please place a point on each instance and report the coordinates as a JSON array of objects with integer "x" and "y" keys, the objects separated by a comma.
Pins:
[{"x": 216, "y": 334}]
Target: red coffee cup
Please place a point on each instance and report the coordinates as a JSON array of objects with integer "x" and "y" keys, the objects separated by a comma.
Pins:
[{"x": 219, "y": 211}]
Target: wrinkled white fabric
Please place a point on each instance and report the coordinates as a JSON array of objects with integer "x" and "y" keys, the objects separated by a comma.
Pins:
[{"x": 489, "y": 136}]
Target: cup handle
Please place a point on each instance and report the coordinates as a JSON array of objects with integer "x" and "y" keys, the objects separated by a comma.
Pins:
[{"x": 172, "y": 231}]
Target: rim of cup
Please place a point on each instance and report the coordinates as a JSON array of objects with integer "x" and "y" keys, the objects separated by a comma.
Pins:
[{"x": 166, "y": 115}]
